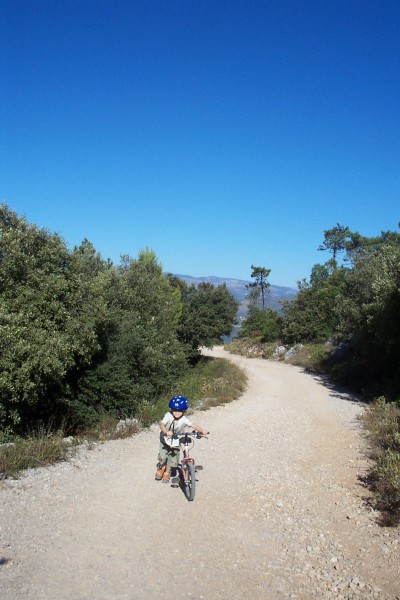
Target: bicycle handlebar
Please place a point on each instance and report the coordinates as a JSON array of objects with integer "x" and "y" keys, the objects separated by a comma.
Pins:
[{"x": 195, "y": 434}]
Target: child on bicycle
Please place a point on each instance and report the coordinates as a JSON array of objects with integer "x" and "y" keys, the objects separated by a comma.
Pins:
[{"x": 174, "y": 421}]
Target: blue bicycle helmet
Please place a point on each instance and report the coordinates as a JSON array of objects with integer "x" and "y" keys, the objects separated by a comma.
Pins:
[{"x": 178, "y": 403}]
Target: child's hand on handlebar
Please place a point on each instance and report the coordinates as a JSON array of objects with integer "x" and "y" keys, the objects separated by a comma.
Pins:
[{"x": 202, "y": 432}]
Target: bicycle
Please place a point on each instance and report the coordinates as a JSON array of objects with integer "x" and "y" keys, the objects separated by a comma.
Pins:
[{"x": 187, "y": 467}]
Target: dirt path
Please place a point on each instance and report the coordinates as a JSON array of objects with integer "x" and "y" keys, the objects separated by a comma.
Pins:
[{"x": 278, "y": 513}]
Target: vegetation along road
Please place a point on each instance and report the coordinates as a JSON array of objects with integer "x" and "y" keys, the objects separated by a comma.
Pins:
[{"x": 279, "y": 509}]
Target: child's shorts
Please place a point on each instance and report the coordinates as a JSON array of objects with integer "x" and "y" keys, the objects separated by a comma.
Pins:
[{"x": 169, "y": 456}]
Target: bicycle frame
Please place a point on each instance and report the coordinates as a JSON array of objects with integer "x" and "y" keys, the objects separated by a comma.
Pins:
[
  {"x": 187, "y": 468},
  {"x": 186, "y": 457}
]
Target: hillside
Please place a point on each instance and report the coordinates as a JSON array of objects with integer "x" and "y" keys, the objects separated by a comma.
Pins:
[{"x": 276, "y": 294}]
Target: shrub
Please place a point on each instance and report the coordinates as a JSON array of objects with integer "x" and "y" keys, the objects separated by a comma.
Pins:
[
  {"x": 265, "y": 323},
  {"x": 387, "y": 472},
  {"x": 382, "y": 421}
]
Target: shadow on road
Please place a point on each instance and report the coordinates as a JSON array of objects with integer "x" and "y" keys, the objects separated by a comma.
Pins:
[
  {"x": 4, "y": 561},
  {"x": 338, "y": 391}
]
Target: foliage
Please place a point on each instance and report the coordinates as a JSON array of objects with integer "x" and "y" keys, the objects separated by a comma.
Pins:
[
  {"x": 50, "y": 315},
  {"x": 82, "y": 340},
  {"x": 353, "y": 245},
  {"x": 319, "y": 275},
  {"x": 208, "y": 313},
  {"x": 311, "y": 317},
  {"x": 260, "y": 321},
  {"x": 259, "y": 287},
  {"x": 142, "y": 356},
  {"x": 265, "y": 323},
  {"x": 368, "y": 320},
  {"x": 336, "y": 240},
  {"x": 356, "y": 306}
]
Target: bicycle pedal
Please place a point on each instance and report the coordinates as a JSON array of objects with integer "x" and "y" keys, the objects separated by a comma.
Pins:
[{"x": 198, "y": 468}]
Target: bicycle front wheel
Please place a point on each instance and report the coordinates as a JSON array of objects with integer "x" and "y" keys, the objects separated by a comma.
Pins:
[{"x": 190, "y": 481}]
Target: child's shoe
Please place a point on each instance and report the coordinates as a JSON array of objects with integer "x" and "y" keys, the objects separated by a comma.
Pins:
[
  {"x": 165, "y": 478},
  {"x": 160, "y": 472}
]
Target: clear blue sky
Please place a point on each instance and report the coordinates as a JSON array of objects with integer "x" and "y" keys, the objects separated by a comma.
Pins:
[{"x": 219, "y": 133}]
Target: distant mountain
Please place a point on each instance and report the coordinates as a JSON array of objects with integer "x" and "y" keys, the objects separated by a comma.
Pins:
[{"x": 276, "y": 294}]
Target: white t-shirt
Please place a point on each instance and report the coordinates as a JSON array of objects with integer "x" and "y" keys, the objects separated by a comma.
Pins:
[{"x": 176, "y": 426}]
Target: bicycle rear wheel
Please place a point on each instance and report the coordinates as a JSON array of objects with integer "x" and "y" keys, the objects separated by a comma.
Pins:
[{"x": 189, "y": 485}]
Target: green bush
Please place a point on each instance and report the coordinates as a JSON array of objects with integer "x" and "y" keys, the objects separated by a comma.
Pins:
[
  {"x": 311, "y": 316},
  {"x": 49, "y": 319},
  {"x": 208, "y": 313},
  {"x": 262, "y": 322}
]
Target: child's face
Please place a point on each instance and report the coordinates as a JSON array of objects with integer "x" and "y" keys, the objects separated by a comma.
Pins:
[{"x": 177, "y": 414}]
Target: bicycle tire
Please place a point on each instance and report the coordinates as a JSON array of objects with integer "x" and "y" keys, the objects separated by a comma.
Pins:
[{"x": 190, "y": 481}]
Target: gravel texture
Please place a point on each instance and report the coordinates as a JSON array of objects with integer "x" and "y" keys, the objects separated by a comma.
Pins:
[{"x": 279, "y": 512}]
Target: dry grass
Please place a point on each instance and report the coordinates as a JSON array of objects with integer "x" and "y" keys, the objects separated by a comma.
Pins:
[
  {"x": 110, "y": 428},
  {"x": 40, "y": 449},
  {"x": 251, "y": 347},
  {"x": 213, "y": 381},
  {"x": 310, "y": 356},
  {"x": 217, "y": 381},
  {"x": 382, "y": 422}
]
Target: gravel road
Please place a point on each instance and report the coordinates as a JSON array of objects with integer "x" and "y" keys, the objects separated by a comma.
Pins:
[{"x": 279, "y": 510}]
